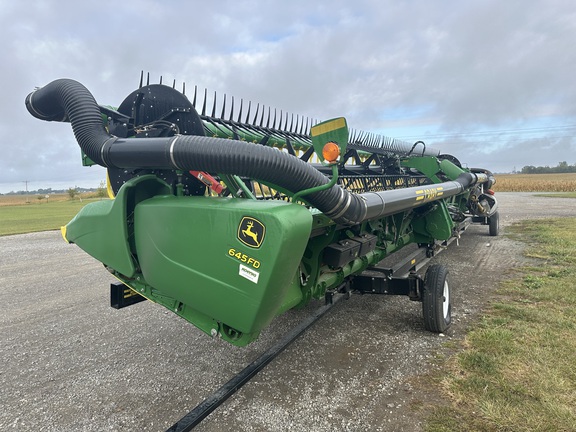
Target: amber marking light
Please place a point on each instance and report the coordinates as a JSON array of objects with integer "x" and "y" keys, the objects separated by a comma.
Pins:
[{"x": 331, "y": 151}]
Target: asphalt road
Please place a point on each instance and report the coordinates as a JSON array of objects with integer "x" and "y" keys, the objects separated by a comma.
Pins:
[{"x": 69, "y": 362}]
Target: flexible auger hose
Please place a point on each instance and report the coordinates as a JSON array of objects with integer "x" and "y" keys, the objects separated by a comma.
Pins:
[{"x": 67, "y": 100}]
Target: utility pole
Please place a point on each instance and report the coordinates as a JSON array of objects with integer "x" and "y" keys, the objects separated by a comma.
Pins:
[{"x": 27, "y": 199}]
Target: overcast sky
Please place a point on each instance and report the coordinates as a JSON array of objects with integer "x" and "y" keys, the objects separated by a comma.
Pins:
[{"x": 489, "y": 81}]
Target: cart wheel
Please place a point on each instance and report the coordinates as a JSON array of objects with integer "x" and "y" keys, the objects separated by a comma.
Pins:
[
  {"x": 494, "y": 224},
  {"x": 436, "y": 305}
]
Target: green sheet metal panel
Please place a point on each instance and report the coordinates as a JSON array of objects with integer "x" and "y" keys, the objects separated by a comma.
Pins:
[{"x": 231, "y": 259}]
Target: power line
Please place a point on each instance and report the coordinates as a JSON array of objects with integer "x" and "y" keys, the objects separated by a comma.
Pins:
[{"x": 519, "y": 131}]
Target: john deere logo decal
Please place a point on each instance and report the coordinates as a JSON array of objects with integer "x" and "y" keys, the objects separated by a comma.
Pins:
[{"x": 251, "y": 232}]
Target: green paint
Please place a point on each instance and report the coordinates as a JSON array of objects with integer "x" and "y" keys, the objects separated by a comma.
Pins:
[{"x": 334, "y": 130}]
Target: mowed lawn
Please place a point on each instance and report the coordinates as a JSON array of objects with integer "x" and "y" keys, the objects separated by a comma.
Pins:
[{"x": 38, "y": 215}]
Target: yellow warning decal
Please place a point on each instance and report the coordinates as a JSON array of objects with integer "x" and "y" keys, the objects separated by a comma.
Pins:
[
  {"x": 429, "y": 194},
  {"x": 63, "y": 232},
  {"x": 326, "y": 127}
]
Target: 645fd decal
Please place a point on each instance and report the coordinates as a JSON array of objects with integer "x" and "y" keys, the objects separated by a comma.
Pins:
[{"x": 251, "y": 232}]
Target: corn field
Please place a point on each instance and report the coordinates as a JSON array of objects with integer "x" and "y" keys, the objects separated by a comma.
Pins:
[{"x": 564, "y": 182}]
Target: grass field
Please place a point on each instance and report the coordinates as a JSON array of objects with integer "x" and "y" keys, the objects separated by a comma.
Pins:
[
  {"x": 516, "y": 368},
  {"x": 17, "y": 216},
  {"x": 14, "y": 200},
  {"x": 29, "y": 213},
  {"x": 535, "y": 183}
]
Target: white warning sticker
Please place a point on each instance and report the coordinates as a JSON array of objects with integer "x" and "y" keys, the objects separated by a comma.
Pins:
[{"x": 248, "y": 273}]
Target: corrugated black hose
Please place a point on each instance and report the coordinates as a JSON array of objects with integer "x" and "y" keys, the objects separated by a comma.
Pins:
[{"x": 67, "y": 100}]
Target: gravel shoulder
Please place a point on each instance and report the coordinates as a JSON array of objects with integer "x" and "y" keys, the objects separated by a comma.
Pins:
[{"x": 69, "y": 362}]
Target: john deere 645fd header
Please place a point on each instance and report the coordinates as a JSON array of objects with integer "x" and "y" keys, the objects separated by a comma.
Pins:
[{"x": 231, "y": 220}]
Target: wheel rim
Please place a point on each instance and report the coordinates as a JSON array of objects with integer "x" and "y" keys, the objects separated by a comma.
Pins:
[{"x": 446, "y": 300}]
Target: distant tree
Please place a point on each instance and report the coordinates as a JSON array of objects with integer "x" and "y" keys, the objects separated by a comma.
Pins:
[
  {"x": 72, "y": 192},
  {"x": 562, "y": 167},
  {"x": 101, "y": 191},
  {"x": 528, "y": 169}
]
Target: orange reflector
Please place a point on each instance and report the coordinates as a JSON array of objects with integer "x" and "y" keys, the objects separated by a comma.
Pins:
[
  {"x": 331, "y": 151},
  {"x": 490, "y": 192}
]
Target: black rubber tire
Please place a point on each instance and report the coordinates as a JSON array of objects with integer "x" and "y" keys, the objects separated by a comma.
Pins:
[
  {"x": 436, "y": 306},
  {"x": 494, "y": 224}
]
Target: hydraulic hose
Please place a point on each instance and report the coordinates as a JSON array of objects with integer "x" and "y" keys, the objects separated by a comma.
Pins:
[{"x": 67, "y": 100}]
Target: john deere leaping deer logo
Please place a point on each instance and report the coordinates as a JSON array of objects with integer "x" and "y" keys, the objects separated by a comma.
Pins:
[{"x": 251, "y": 232}]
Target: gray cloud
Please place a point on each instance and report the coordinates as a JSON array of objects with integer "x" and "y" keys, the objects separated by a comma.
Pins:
[{"x": 408, "y": 68}]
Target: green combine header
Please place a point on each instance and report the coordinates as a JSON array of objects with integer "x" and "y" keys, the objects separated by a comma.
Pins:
[{"x": 230, "y": 220}]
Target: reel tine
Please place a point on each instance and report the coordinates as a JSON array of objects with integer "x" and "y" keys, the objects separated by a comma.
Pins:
[
  {"x": 256, "y": 115},
  {"x": 262, "y": 116},
  {"x": 372, "y": 140},
  {"x": 223, "y": 108},
  {"x": 214, "y": 106},
  {"x": 248, "y": 113},
  {"x": 386, "y": 142},
  {"x": 231, "y": 110},
  {"x": 204, "y": 103},
  {"x": 392, "y": 144},
  {"x": 194, "y": 99},
  {"x": 240, "y": 113},
  {"x": 368, "y": 138},
  {"x": 352, "y": 136},
  {"x": 268, "y": 121},
  {"x": 141, "y": 78}
]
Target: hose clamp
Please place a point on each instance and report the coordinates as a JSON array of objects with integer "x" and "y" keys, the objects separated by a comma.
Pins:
[
  {"x": 172, "y": 151},
  {"x": 104, "y": 150},
  {"x": 348, "y": 198}
]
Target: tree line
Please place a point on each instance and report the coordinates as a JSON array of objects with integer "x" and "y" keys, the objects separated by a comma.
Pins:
[
  {"x": 72, "y": 191},
  {"x": 562, "y": 167},
  {"x": 49, "y": 191}
]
